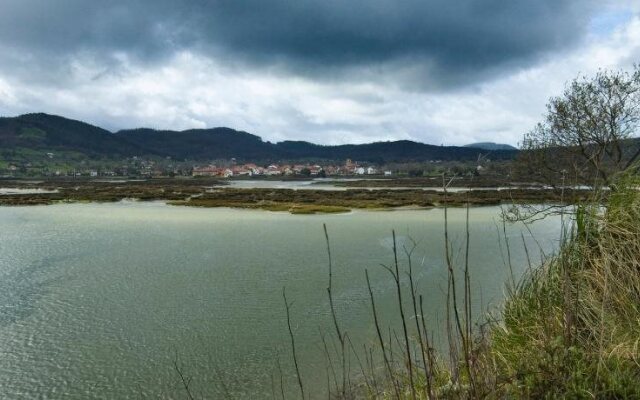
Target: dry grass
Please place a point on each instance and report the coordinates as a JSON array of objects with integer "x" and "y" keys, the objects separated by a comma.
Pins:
[{"x": 569, "y": 329}]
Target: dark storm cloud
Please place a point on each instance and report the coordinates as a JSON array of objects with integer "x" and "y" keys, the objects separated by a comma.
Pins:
[{"x": 445, "y": 42}]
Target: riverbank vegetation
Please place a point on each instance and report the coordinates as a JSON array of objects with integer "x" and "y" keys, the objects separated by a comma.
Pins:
[
  {"x": 271, "y": 199},
  {"x": 569, "y": 329},
  {"x": 202, "y": 193}
]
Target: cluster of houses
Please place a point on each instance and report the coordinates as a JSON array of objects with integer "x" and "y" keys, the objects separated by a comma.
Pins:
[
  {"x": 252, "y": 170},
  {"x": 349, "y": 168},
  {"x": 140, "y": 166}
]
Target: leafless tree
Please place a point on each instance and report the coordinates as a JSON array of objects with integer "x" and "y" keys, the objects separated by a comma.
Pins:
[{"x": 585, "y": 134}]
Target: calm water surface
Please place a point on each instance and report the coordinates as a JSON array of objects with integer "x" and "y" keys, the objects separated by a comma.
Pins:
[
  {"x": 330, "y": 184},
  {"x": 99, "y": 300}
]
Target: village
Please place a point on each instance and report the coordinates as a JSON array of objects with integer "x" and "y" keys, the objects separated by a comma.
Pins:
[
  {"x": 60, "y": 164},
  {"x": 251, "y": 169},
  {"x": 139, "y": 166}
]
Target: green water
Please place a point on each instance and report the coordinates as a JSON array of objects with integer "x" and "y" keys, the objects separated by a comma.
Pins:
[{"x": 98, "y": 300}]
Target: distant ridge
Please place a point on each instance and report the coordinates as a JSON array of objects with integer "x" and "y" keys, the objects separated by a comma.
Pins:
[
  {"x": 491, "y": 146},
  {"x": 44, "y": 133}
]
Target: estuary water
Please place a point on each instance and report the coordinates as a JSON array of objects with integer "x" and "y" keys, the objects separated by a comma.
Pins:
[
  {"x": 332, "y": 184},
  {"x": 104, "y": 300}
]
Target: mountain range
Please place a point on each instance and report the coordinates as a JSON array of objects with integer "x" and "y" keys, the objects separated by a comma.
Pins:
[{"x": 51, "y": 133}]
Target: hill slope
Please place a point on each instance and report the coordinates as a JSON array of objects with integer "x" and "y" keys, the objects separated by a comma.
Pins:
[
  {"x": 491, "y": 146},
  {"x": 201, "y": 143},
  {"x": 51, "y": 133},
  {"x": 380, "y": 152},
  {"x": 45, "y": 132}
]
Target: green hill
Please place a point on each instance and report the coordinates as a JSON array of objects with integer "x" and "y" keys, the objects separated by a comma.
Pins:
[
  {"x": 53, "y": 133},
  {"x": 43, "y": 132}
]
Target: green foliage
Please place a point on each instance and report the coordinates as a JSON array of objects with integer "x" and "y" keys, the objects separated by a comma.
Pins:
[{"x": 32, "y": 133}]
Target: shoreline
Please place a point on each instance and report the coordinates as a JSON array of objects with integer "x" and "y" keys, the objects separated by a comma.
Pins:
[{"x": 200, "y": 193}]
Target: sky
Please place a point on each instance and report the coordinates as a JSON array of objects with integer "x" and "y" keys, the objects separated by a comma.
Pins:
[{"x": 329, "y": 72}]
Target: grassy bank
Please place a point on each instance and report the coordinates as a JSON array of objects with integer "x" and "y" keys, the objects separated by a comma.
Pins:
[
  {"x": 569, "y": 329},
  {"x": 572, "y": 328}
]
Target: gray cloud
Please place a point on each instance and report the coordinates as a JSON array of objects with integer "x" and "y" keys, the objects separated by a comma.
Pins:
[
  {"x": 418, "y": 43},
  {"x": 330, "y": 71}
]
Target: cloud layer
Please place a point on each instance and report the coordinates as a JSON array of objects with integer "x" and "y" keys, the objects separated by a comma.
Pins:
[
  {"x": 331, "y": 71},
  {"x": 447, "y": 42}
]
